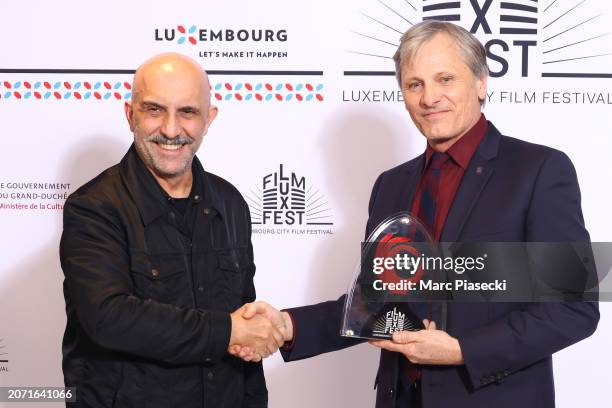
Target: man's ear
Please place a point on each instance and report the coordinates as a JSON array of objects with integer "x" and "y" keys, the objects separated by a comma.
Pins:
[
  {"x": 481, "y": 87},
  {"x": 129, "y": 114},
  {"x": 212, "y": 114}
]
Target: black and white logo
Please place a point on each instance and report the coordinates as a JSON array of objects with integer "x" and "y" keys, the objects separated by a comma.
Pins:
[
  {"x": 523, "y": 38},
  {"x": 391, "y": 322},
  {"x": 286, "y": 199}
]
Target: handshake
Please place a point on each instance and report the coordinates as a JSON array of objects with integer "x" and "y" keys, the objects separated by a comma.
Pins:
[{"x": 258, "y": 330}]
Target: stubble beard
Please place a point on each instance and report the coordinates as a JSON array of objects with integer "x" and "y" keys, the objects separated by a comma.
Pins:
[{"x": 156, "y": 165}]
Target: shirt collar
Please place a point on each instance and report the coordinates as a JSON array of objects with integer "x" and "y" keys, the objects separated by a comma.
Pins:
[
  {"x": 151, "y": 199},
  {"x": 462, "y": 151}
]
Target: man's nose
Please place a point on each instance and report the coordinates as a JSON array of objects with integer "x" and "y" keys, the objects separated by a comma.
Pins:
[
  {"x": 431, "y": 96},
  {"x": 170, "y": 128}
]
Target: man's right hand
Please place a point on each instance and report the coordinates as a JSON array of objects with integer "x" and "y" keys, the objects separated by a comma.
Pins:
[
  {"x": 256, "y": 333},
  {"x": 257, "y": 310}
]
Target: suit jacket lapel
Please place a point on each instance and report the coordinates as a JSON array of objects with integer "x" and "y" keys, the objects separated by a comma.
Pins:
[
  {"x": 476, "y": 176},
  {"x": 396, "y": 193},
  {"x": 407, "y": 191}
]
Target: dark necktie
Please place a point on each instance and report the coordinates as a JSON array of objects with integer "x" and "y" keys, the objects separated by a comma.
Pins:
[
  {"x": 431, "y": 184},
  {"x": 427, "y": 215}
]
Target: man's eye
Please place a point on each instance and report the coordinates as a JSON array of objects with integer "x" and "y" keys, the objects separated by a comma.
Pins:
[
  {"x": 153, "y": 109},
  {"x": 446, "y": 79},
  {"x": 413, "y": 85}
]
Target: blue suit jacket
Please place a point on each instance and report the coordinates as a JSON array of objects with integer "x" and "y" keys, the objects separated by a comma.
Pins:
[{"x": 522, "y": 192}]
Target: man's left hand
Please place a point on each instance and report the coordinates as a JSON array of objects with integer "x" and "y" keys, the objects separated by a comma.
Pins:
[{"x": 429, "y": 346}]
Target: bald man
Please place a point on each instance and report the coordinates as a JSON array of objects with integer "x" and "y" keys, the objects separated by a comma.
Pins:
[{"x": 158, "y": 262}]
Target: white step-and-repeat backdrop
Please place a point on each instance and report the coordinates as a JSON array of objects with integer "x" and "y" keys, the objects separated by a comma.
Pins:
[{"x": 304, "y": 89}]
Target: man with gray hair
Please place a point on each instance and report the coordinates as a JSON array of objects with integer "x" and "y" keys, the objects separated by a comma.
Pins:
[{"x": 471, "y": 184}]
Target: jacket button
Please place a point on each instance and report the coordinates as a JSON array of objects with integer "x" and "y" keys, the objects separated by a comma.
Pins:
[
  {"x": 171, "y": 215},
  {"x": 155, "y": 273},
  {"x": 196, "y": 197},
  {"x": 210, "y": 376},
  {"x": 206, "y": 211},
  {"x": 208, "y": 360},
  {"x": 390, "y": 391},
  {"x": 201, "y": 288}
]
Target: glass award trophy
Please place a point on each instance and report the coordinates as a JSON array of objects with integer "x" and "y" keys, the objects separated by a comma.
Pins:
[{"x": 391, "y": 289}]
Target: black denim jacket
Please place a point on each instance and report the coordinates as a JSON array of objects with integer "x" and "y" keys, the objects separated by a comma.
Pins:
[{"x": 148, "y": 292}]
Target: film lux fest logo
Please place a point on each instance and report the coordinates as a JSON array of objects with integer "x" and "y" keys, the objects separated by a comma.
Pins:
[
  {"x": 514, "y": 30},
  {"x": 479, "y": 19},
  {"x": 284, "y": 203},
  {"x": 195, "y": 35},
  {"x": 390, "y": 322}
]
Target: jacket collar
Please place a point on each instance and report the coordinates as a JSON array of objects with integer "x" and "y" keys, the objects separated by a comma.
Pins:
[{"x": 151, "y": 200}]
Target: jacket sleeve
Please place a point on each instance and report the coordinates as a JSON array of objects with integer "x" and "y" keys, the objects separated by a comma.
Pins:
[
  {"x": 96, "y": 265},
  {"x": 255, "y": 391},
  {"x": 525, "y": 336},
  {"x": 317, "y": 330}
]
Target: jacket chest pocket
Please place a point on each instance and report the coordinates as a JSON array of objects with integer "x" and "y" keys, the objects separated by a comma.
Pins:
[
  {"x": 230, "y": 274},
  {"x": 161, "y": 277}
]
